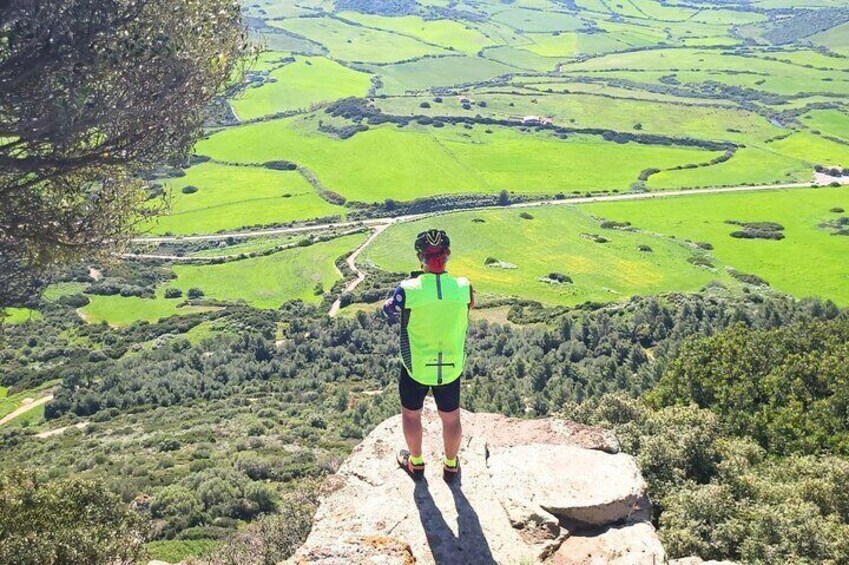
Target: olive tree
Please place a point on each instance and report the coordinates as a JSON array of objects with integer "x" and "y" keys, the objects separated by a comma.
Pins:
[
  {"x": 93, "y": 94},
  {"x": 72, "y": 521}
]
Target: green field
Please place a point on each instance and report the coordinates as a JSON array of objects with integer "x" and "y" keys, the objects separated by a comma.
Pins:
[
  {"x": 456, "y": 160},
  {"x": 358, "y": 43},
  {"x": 231, "y": 197},
  {"x": 445, "y": 33},
  {"x": 809, "y": 261},
  {"x": 300, "y": 85},
  {"x": 751, "y": 165},
  {"x": 120, "y": 311},
  {"x": 813, "y": 149},
  {"x": 438, "y": 71},
  {"x": 20, "y": 315},
  {"x": 537, "y": 20},
  {"x": 581, "y": 110},
  {"x": 268, "y": 282},
  {"x": 834, "y": 123},
  {"x": 263, "y": 282},
  {"x": 551, "y": 242},
  {"x": 836, "y": 38},
  {"x": 28, "y": 419}
]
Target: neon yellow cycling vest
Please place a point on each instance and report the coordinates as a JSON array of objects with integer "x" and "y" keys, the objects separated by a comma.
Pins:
[{"x": 433, "y": 327}]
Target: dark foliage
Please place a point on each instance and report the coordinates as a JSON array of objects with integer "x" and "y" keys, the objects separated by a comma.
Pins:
[
  {"x": 785, "y": 387},
  {"x": 71, "y": 153}
]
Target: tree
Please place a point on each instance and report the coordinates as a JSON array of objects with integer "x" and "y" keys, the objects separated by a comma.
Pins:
[
  {"x": 64, "y": 522},
  {"x": 94, "y": 93}
]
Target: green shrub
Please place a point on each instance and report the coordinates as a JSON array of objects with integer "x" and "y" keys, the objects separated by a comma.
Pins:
[
  {"x": 173, "y": 293},
  {"x": 66, "y": 521},
  {"x": 189, "y": 189},
  {"x": 194, "y": 293}
]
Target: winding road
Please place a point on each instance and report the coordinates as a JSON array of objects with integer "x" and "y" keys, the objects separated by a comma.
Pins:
[
  {"x": 379, "y": 225},
  {"x": 352, "y": 263}
]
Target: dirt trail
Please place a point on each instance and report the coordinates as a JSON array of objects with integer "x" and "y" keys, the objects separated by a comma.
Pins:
[
  {"x": 352, "y": 263},
  {"x": 57, "y": 431},
  {"x": 25, "y": 408}
]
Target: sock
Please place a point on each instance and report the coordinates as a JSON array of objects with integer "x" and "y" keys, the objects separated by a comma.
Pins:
[
  {"x": 416, "y": 460},
  {"x": 451, "y": 462}
]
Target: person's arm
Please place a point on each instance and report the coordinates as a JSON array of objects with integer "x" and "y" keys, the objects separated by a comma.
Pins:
[{"x": 394, "y": 305}]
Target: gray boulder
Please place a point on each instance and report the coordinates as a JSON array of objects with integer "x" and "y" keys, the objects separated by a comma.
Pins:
[{"x": 531, "y": 491}]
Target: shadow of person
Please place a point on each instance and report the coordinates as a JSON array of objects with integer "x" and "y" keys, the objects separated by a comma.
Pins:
[{"x": 469, "y": 546}]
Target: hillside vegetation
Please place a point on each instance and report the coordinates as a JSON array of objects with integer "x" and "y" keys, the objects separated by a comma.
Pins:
[{"x": 649, "y": 197}]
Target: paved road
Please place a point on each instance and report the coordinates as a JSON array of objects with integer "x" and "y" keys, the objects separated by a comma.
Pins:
[
  {"x": 530, "y": 204},
  {"x": 25, "y": 408}
]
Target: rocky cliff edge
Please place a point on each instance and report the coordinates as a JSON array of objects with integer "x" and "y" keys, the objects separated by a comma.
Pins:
[{"x": 531, "y": 491}]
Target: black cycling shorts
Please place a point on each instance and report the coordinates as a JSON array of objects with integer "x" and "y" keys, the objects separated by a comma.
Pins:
[{"x": 413, "y": 393}]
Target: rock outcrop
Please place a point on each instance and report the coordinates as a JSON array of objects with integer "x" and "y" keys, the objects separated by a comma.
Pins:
[{"x": 531, "y": 491}]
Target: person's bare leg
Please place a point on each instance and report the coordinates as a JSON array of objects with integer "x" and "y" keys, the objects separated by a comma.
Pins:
[
  {"x": 452, "y": 432},
  {"x": 411, "y": 421}
]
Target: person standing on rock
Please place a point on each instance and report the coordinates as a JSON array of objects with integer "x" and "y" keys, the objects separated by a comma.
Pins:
[{"x": 433, "y": 308}]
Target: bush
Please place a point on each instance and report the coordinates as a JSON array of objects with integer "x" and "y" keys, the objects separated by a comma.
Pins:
[
  {"x": 273, "y": 539},
  {"x": 645, "y": 248},
  {"x": 424, "y": 105},
  {"x": 560, "y": 277},
  {"x": 68, "y": 521},
  {"x": 77, "y": 300},
  {"x": 788, "y": 394},
  {"x": 526, "y": 216},
  {"x": 753, "y": 280},
  {"x": 837, "y": 210},
  {"x": 280, "y": 165},
  {"x": 189, "y": 189},
  {"x": 490, "y": 261},
  {"x": 173, "y": 293},
  {"x": 194, "y": 293}
]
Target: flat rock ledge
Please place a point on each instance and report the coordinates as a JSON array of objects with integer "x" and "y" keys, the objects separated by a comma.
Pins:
[{"x": 531, "y": 491}]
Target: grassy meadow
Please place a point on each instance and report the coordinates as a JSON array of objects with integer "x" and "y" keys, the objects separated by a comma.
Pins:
[
  {"x": 299, "y": 85},
  {"x": 230, "y": 197},
  {"x": 268, "y": 282},
  {"x": 555, "y": 240},
  {"x": 809, "y": 261},
  {"x": 20, "y": 315},
  {"x": 118, "y": 311},
  {"x": 667, "y": 69},
  {"x": 457, "y": 160}
]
